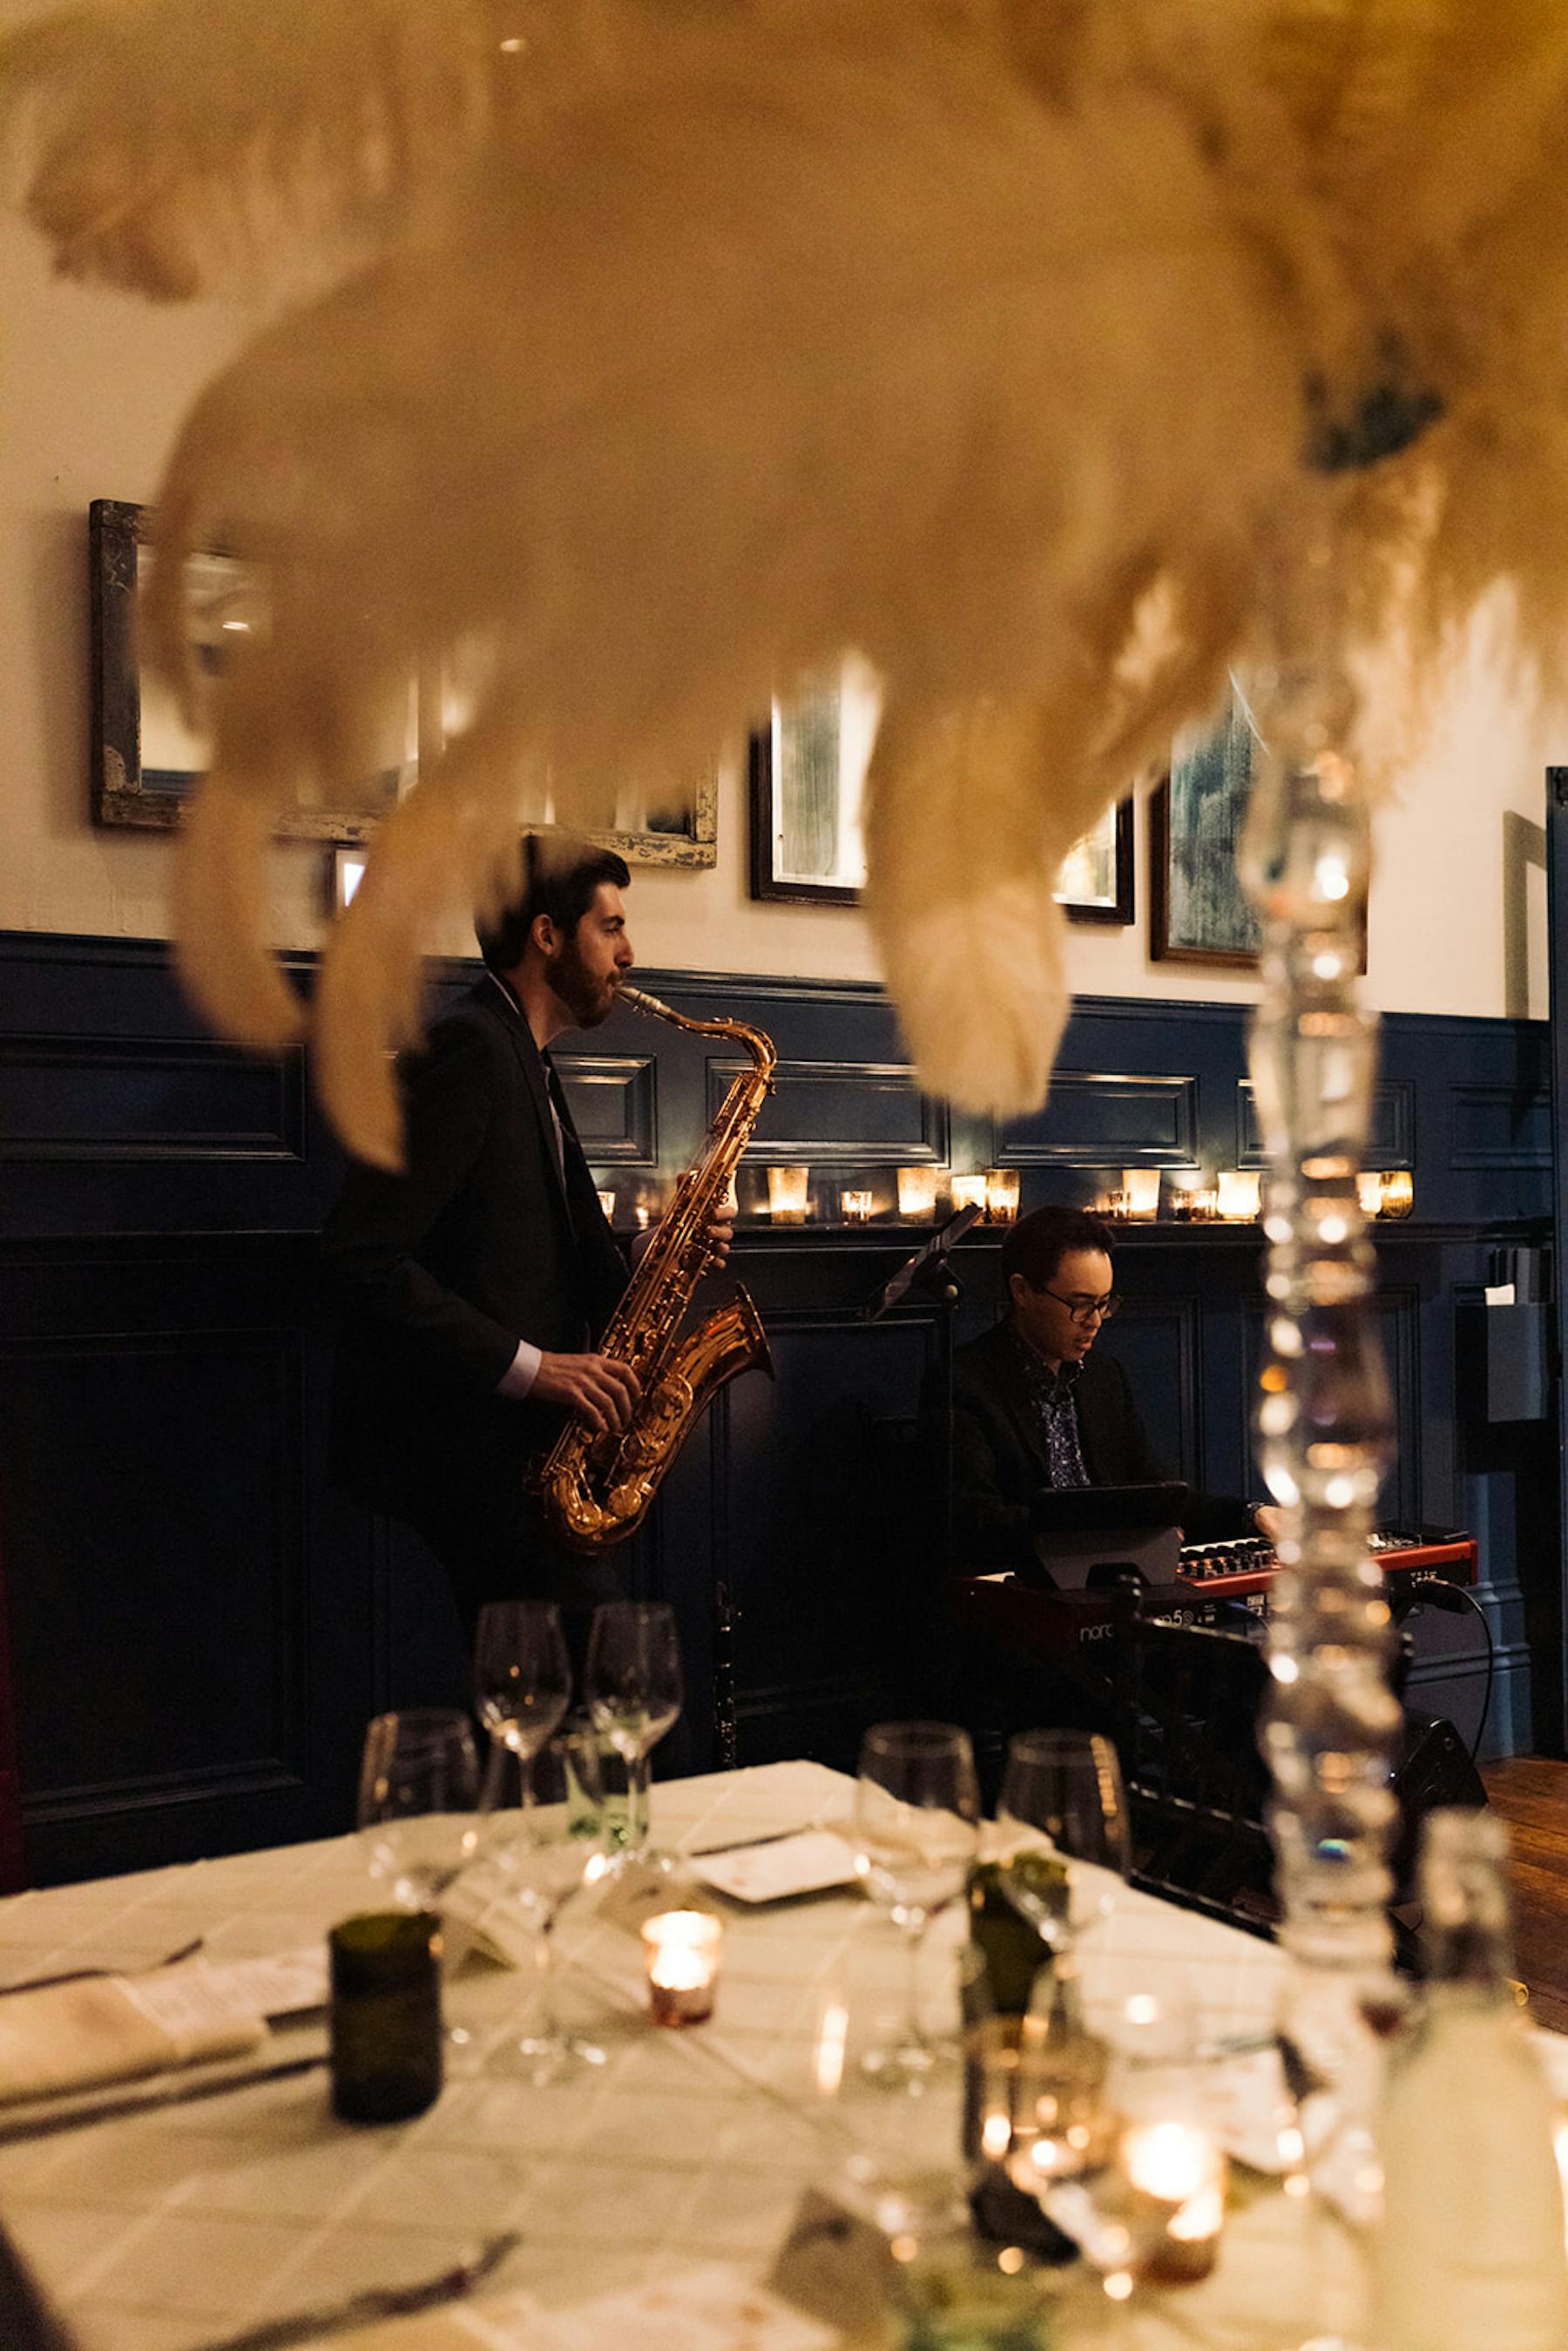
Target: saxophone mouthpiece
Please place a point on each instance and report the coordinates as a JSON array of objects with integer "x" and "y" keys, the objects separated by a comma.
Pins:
[{"x": 640, "y": 1001}]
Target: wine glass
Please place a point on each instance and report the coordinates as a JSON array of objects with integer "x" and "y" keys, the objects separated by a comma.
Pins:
[
  {"x": 419, "y": 1786},
  {"x": 1061, "y": 1821},
  {"x": 522, "y": 1678},
  {"x": 544, "y": 1828},
  {"x": 631, "y": 1682},
  {"x": 914, "y": 1832}
]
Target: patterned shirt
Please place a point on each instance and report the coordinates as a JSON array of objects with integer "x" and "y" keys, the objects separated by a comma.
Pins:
[{"x": 1050, "y": 1401}]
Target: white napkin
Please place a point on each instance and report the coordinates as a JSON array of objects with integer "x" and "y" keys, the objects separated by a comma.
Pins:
[
  {"x": 75, "y": 2036},
  {"x": 809, "y": 1863}
]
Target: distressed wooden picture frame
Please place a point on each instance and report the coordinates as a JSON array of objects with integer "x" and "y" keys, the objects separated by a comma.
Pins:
[{"x": 145, "y": 766}]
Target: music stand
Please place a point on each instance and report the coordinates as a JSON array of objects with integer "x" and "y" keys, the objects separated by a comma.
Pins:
[{"x": 929, "y": 1271}]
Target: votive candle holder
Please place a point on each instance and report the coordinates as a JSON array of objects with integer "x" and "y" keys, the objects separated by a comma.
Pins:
[
  {"x": 1241, "y": 1195},
  {"x": 918, "y": 1195},
  {"x": 787, "y": 1188},
  {"x": 1140, "y": 1187},
  {"x": 681, "y": 1951},
  {"x": 1002, "y": 1195}
]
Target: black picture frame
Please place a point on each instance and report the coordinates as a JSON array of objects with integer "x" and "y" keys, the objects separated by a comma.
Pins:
[
  {"x": 772, "y": 881},
  {"x": 769, "y": 883},
  {"x": 1118, "y": 906}
]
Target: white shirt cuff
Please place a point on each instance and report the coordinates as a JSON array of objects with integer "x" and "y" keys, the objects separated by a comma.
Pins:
[{"x": 521, "y": 1372}]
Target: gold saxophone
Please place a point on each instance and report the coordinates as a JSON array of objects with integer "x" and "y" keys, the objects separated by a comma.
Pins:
[{"x": 597, "y": 1489}]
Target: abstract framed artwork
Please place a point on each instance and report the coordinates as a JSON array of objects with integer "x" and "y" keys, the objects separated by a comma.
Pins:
[
  {"x": 807, "y": 775},
  {"x": 1198, "y": 912},
  {"x": 146, "y": 762}
]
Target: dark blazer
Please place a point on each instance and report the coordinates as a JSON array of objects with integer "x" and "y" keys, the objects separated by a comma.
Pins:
[
  {"x": 485, "y": 1238},
  {"x": 1000, "y": 1461}
]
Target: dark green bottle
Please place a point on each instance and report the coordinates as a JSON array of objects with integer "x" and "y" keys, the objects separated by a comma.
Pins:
[
  {"x": 385, "y": 2015},
  {"x": 1014, "y": 1949}
]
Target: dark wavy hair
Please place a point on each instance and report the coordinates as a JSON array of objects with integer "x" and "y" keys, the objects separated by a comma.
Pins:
[
  {"x": 1037, "y": 1243},
  {"x": 563, "y": 887}
]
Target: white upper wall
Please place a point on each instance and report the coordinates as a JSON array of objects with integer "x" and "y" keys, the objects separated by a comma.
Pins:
[{"x": 91, "y": 388}]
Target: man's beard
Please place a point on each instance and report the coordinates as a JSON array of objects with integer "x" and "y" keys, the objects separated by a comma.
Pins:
[{"x": 589, "y": 1000}]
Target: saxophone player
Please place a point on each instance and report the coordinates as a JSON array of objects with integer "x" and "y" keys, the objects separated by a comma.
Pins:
[{"x": 475, "y": 1283}]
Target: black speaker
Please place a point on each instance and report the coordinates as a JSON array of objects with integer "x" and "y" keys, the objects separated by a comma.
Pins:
[{"x": 1434, "y": 1768}]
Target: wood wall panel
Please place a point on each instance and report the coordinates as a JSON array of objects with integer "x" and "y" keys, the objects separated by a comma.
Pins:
[
  {"x": 201, "y": 1624},
  {"x": 74, "y": 1098},
  {"x": 1390, "y": 1127},
  {"x": 840, "y": 1114},
  {"x": 1098, "y": 1118}
]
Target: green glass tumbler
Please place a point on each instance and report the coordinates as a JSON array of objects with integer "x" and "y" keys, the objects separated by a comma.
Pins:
[{"x": 385, "y": 2015}]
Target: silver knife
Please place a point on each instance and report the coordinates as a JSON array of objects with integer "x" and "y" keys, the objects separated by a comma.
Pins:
[
  {"x": 380, "y": 2302},
  {"x": 109, "y": 2108},
  {"x": 768, "y": 1836}
]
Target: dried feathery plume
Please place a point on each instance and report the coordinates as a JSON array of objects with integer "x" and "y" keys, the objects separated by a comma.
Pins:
[{"x": 695, "y": 345}]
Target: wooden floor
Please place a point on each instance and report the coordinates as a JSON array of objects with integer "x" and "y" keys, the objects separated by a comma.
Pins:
[{"x": 1532, "y": 1794}]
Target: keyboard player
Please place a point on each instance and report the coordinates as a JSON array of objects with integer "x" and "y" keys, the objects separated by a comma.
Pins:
[{"x": 1035, "y": 1410}]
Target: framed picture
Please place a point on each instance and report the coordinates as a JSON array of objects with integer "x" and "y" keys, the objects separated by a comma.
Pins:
[
  {"x": 1095, "y": 883},
  {"x": 146, "y": 763},
  {"x": 807, "y": 771},
  {"x": 1198, "y": 912}
]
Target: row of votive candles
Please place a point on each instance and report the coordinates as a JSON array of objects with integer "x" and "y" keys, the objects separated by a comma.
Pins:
[
  {"x": 789, "y": 1200},
  {"x": 996, "y": 1191},
  {"x": 1235, "y": 1196}
]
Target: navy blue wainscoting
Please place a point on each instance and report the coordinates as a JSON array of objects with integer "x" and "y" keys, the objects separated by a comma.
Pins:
[{"x": 200, "y": 1627}]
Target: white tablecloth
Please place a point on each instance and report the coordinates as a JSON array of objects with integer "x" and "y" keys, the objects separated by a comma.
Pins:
[{"x": 165, "y": 2230}]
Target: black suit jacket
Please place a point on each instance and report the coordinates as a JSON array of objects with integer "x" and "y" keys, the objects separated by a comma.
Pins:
[
  {"x": 1000, "y": 1461},
  {"x": 485, "y": 1238}
]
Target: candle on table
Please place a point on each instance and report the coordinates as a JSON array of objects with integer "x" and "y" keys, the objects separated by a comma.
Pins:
[
  {"x": 681, "y": 1951},
  {"x": 856, "y": 1204},
  {"x": 1179, "y": 2165},
  {"x": 968, "y": 1191}
]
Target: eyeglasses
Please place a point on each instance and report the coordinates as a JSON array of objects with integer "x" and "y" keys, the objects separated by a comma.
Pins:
[{"x": 1084, "y": 1310}]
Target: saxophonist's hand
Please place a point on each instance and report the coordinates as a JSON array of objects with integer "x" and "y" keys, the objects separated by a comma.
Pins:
[
  {"x": 595, "y": 1387},
  {"x": 720, "y": 1234}
]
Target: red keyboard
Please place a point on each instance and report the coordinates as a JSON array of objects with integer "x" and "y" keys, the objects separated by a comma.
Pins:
[
  {"x": 1239, "y": 1571},
  {"x": 1053, "y": 1625}
]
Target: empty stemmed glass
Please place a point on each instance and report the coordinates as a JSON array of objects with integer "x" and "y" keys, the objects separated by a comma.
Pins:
[
  {"x": 914, "y": 1832},
  {"x": 1062, "y": 1830},
  {"x": 631, "y": 1683},
  {"x": 419, "y": 1787},
  {"x": 522, "y": 1679},
  {"x": 543, "y": 1827}
]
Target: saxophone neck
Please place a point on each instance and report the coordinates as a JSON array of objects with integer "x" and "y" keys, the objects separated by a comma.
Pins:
[{"x": 757, "y": 1043}]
